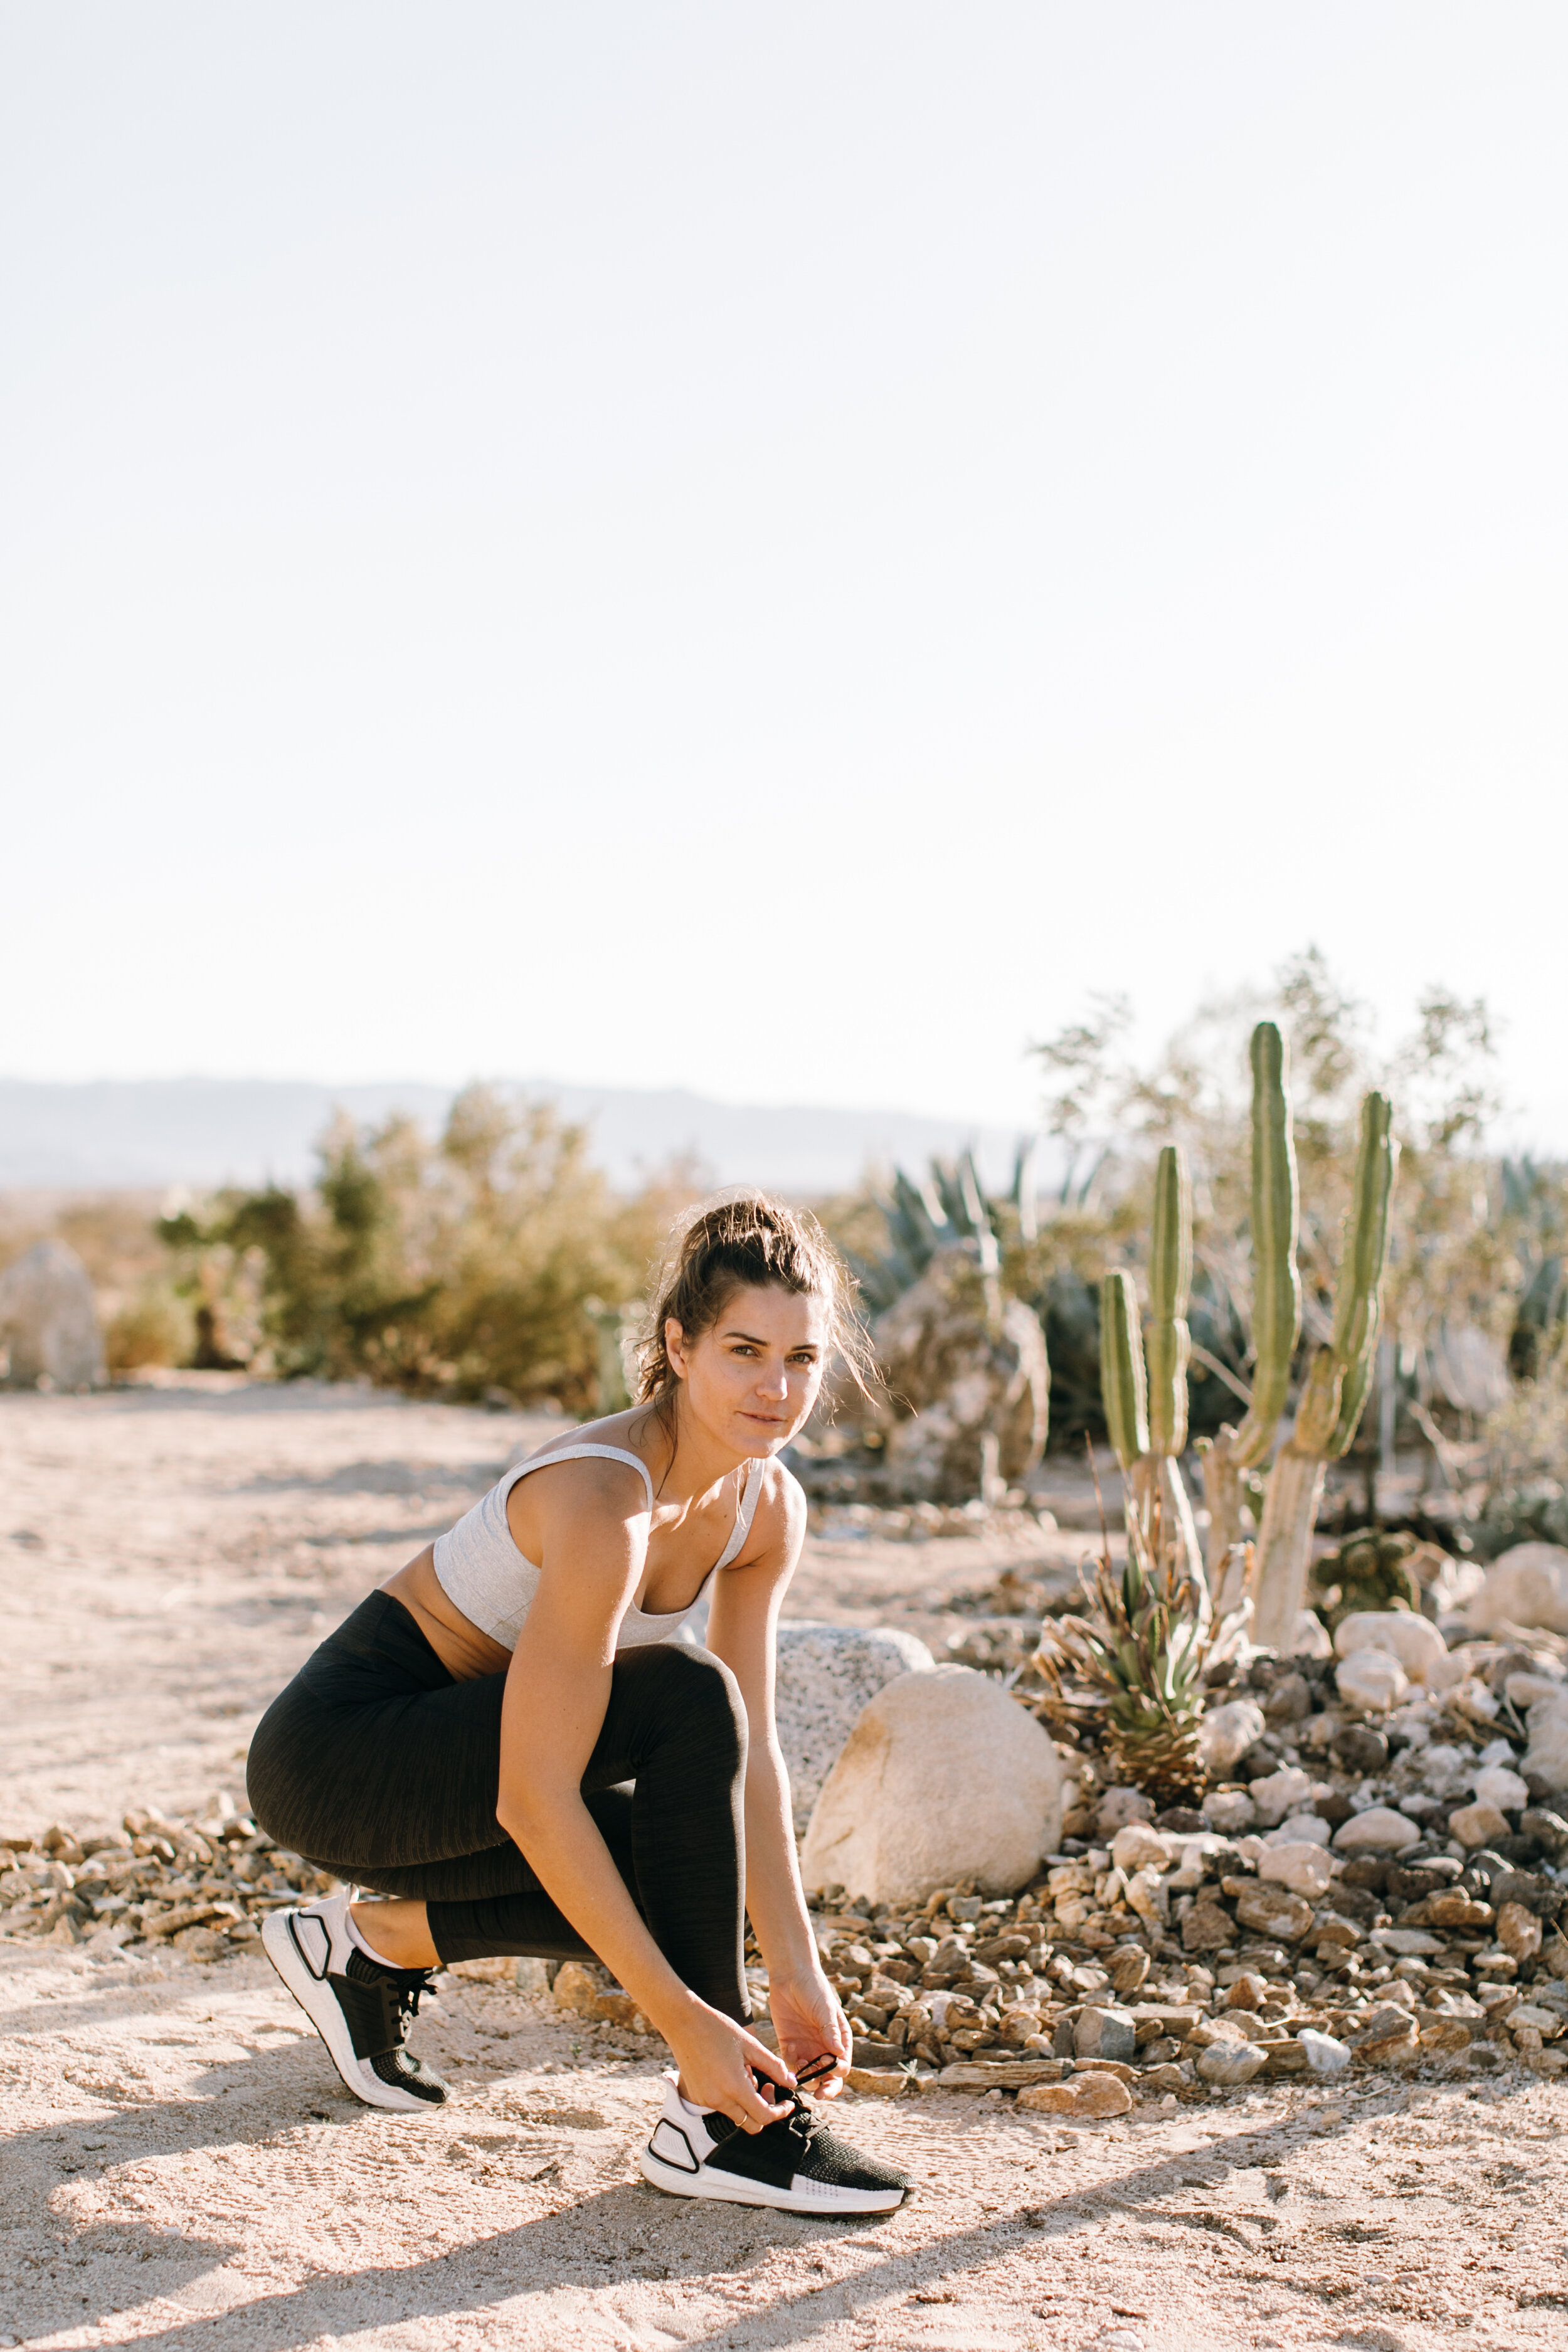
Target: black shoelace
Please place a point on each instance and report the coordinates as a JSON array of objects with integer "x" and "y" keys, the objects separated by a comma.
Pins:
[{"x": 410, "y": 1984}]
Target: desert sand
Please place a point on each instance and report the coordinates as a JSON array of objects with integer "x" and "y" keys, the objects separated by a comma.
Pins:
[{"x": 184, "y": 2168}]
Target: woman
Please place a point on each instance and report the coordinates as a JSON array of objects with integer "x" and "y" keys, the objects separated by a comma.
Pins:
[{"x": 462, "y": 1743}]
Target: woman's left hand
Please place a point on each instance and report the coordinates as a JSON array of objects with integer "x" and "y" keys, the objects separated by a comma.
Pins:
[{"x": 809, "y": 2023}]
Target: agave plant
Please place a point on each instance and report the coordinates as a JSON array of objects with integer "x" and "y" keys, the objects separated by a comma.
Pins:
[{"x": 1130, "y": 1668}]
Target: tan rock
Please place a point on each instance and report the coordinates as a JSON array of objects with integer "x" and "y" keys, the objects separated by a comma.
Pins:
[
  {"x": 577, "y": 1990},
  {"x": 1445, "y": 2037},
  {"x": 1156, "y": 2018},
  {"x": 1000, "y": 2073},
  {"x": 1390, "y": 2036},
  {"x": 1517, "y": 1931},
  {"x": 943, "y": 1777},
  {"x": 1305, "y": 1869},
  {"x": 1477, "y": 1825},
  {"x": 1453, "y": 1909},
  {"x": 1271, "y": 1910},
  {"x": 1231, "y": 2062},
  {"x": 1379, "y": 1830},
  {"x": 1109, "y": 2067},
  {"x": 1208, "y": 1928},
  {"x": 877, "y": 2082},
  {"x": 1087, "y": 2097}
]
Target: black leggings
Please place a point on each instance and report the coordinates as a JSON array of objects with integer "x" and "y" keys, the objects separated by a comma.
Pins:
[{"x": 377, "y": 1765}]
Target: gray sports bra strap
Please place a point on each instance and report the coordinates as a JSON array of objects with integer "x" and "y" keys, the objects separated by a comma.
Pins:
[
  {"x": 743, "y": 1517},
  {"x": 577, "y": 1452}
]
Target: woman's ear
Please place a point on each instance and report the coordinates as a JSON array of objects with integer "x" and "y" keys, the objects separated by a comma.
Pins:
[{"x": 675, "y": 1346}]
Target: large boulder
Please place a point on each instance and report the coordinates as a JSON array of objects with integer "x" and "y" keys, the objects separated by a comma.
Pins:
[
  {"x": 48, "y": 1324},
  {"x": 944, "y": 1776},
  {"x": 969, "y": 1364},
  {"x": 1528, "y": 1586},
  {"x": 826, "y": 1675}
]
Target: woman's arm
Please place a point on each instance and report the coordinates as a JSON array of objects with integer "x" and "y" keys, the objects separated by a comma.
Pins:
[
  {"x": 743, "y": 1629},
  {"x": 557, "y": 1692}
]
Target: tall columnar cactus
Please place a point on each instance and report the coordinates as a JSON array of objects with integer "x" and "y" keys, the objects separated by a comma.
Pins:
[
  {"x": 1146, "y": 1403},
  {"x": 1276, "y": 1301},
  {"x": 1334, "y": 1392},
  {"x": 1143, "y": 1375},
  {"x": 1124, "y": 1382}
]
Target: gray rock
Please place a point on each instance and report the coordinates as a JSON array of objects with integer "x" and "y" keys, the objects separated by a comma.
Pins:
[
  {"x": 943, "y": 1777},
  {"x": 1227, "y": 1733},
  {"x": 1229, "y": 2062},
  {"x": 1325, "y": 2055},
  {"x": 826, "y": 1675},
  {"x": 49, "y": 1323},
  {"x": 1105, "y": 2032}
]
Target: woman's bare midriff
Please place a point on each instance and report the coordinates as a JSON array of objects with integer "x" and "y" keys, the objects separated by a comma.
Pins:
[{"x": 463, "y": 1650}]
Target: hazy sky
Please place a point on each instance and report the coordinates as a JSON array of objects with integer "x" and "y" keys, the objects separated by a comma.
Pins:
[{"x": 774, "y": 550}]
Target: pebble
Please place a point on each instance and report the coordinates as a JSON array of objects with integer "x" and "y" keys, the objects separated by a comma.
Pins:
[
  {"x": 1372, "y": 1679},
  {"x": 201, "y": 1886},
  {"x": 1477, "y": 1825},
  {"x": 1378, "y": 1829}
]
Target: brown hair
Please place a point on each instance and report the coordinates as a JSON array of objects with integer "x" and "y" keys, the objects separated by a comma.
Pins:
[{"x": 740, "y": 1243}]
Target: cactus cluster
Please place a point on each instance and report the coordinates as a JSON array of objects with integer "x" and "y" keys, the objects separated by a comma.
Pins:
[{"x": 1144, "y": 1373}]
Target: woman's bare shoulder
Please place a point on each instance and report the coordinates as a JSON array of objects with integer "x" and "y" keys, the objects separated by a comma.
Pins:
[{"x": 780, "y": 1515}]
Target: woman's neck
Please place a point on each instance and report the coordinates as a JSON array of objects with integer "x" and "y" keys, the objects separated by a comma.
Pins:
[{"x": 687, "y": 1462}]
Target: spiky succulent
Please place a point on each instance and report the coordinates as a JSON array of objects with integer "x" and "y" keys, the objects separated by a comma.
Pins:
[{"x": 1130, "y": 1668}]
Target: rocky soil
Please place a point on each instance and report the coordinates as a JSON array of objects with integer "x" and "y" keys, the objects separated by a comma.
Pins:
[{"x": 182, "y": 2166}]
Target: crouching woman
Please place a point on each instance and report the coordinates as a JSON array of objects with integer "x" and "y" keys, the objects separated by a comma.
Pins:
[{"x": 509, "y": 1745}]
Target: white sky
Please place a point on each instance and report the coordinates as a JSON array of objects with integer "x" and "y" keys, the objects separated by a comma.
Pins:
[{"x": 773, "y": 549}]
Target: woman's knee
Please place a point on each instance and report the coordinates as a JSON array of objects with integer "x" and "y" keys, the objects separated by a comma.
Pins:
[{"x": 698, "y": 1693}]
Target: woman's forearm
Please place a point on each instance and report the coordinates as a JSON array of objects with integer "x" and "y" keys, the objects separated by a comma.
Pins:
[
  {"x": 773, "y": 1897},
  {"x": 560, "y": 1840}
]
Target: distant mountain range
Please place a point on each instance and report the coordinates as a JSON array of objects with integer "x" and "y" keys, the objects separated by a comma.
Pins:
[{"x": 208, "y": 1131}]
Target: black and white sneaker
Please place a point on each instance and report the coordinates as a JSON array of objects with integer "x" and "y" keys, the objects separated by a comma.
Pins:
[
  {"x": 797, "y": 2164},
  {"x": 361, "y": 2009}
]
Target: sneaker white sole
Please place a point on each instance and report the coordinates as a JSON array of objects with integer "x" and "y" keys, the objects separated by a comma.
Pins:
[
  {"x": 731, "y": 2189},
  {"x": 319, "y": 2002}
]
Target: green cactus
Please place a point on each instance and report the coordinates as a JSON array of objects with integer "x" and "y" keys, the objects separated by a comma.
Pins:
[
  {"x": 1122, "y": 1380},
  {"x": 1336, "y": 1389},
  {"x": 1276, "y": 1222},
  {"x": 1169, "y": 1343},
  {"x": 1360, "y": 1305},
  {"x": 1144, "y": 1378}
]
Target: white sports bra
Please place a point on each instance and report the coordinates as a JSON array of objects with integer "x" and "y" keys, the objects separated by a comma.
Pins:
[{"x": 480, "y": 1570}]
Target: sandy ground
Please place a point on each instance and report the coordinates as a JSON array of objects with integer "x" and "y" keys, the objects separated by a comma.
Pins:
[{"x": 183, "y": 2169}]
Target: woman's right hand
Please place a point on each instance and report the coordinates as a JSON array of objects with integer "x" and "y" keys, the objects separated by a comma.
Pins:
[{"x": 714, "y": 2056}]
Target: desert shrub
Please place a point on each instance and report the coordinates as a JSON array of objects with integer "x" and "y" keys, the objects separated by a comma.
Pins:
[
  {"x": 154, "y": 1326},
  {"x": 476, "y": 1261}
]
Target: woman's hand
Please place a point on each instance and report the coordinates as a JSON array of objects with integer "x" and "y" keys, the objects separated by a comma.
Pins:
[
  {"x": 714, "y": 2054},
  {"x": 809, "y": 2022}
]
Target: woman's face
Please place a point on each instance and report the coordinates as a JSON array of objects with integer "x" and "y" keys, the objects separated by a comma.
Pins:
[{"x": 751, "y": 1380}]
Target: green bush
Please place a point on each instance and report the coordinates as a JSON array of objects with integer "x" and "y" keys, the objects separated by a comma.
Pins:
[{"x": 475, "y": 1262}]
